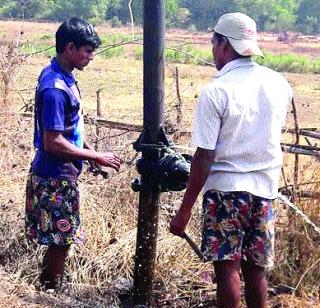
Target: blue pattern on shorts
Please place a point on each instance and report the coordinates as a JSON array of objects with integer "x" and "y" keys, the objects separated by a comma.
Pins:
[{"x": 238, "y": 225}]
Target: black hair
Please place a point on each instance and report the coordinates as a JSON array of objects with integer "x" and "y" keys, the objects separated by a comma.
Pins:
[
  {"x": 77, "y": 31},
  {"x": 220, "y": 37}
]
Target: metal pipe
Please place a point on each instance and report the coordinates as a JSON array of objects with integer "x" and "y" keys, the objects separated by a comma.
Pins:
[
  {"x": 153, "y": 67},
  {"x": 153, "y": 96}
]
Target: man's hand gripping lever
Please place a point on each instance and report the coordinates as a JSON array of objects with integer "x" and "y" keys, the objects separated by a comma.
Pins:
[{"x": 106, "y": 159}]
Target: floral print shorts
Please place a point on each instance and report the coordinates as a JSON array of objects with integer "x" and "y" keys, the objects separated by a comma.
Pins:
[
  {"x": 238, "y": 225},
  {"x": 52, "y": 211}
]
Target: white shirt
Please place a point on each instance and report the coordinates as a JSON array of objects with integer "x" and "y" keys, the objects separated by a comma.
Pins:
[{"x": 240, "y": 116}]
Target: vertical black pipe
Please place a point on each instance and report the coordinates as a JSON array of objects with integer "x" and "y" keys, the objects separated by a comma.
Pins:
[
  {"x": 153, "y": 66},
  {"x": 153, "y": 96}
]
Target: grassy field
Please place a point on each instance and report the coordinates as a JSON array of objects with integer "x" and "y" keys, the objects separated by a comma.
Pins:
[{"x": 100, "y": 272}]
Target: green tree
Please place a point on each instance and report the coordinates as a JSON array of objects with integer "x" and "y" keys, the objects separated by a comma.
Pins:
[
  {"x": 120, "y": 9},
  {"x": 308, "y": 16},
  {"x": 182, "y": 18},
  {"x": 205, "y": 13},
  {"x": 92, "y": 10},
  {"x": 25, "y": 8},
  {"x": 284, "y": 21},
  {"x": 172, "y": 7},
  {"x": 271, "y": 14}
]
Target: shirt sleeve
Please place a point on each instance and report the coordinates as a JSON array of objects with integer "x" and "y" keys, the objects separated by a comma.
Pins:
[
  {"x": 208, "y": 119},
  {"x": 53, "y": 110}
]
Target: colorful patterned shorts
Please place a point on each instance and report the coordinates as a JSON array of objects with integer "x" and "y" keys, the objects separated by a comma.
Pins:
[
  {"x": 238, "y": 225},
  {"x": 52, "y": 211}
]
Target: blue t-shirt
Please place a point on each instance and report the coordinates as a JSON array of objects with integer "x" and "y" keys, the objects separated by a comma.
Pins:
[{"x": 57, "y": 108}]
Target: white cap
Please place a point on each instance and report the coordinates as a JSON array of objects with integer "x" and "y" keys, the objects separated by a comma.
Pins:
[{"x": 241, "y": 31}]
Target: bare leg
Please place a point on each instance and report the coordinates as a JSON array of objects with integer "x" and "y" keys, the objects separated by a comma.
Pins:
[
  {"x": 228, "y": 283},
  {"x": 53, "y": 266},
  {"x": 256, "y": 286}
]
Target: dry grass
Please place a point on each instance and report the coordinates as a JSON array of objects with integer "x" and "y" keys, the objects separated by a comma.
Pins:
[{"x": 100, "y": 271}]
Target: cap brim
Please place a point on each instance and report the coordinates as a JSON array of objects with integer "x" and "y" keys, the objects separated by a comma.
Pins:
[{"x": 246, "y": 47}]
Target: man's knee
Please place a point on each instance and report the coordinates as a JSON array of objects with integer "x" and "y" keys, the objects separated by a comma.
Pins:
[
  {"x": 228, "y": 283},
  {"x": 226, "y": 268},
  {"x": 252, "y": 273}
]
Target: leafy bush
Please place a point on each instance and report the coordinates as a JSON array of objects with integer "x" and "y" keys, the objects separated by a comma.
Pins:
[
  {"x": 115, "y": 22},
  {"x": 290, "y": 63},
  {"x": 114, "y": 52}
]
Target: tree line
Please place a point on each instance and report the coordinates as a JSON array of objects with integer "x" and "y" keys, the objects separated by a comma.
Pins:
[{"x": 271, "y": 15}]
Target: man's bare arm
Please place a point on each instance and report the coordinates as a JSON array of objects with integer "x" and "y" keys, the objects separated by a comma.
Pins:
[
  {"x": 55, "y": 143},
  {"x": 200, "y": 169}
]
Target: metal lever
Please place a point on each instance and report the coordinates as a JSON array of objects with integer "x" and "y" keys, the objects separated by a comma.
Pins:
[
  {"x": 97, "y": 170},
  {"x": 194, "y": 247}
]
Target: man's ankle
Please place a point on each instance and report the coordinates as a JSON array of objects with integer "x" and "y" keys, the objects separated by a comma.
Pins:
[{"x": 51, "y": 284}]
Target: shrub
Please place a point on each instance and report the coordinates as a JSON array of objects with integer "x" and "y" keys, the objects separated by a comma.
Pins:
[{"x": 115, "y": 22}]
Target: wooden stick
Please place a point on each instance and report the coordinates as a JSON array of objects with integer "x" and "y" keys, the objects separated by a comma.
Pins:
[
  {"x": 194, "y": 247},
  {"x": 296, "y": 162},
  {"x": 88, "y": 119},
  {"x": 303, "y": 194},
  {"x": 99, "y": 114},
  {"x": 293, "y": 149},
  {"x": 301, "y": 146},
  {"x": 284, "y": 179},
  {"x": 178, "y": 106}
]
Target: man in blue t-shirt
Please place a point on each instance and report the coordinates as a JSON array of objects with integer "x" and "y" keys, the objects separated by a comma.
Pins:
[{"x": 52, "y": 195}]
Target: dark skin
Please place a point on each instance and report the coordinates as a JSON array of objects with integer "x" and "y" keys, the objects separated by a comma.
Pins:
[
  {"x": 227, "y": 272},
  {"x": 55, "y": 143}
]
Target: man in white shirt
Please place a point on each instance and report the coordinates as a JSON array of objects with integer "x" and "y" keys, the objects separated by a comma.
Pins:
[{"x": 237, "y": 163}]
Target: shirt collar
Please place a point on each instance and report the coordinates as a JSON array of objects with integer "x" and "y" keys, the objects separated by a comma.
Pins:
[
  {"x": 242, "y": 62},
  {"x": 67, "y": 77}
]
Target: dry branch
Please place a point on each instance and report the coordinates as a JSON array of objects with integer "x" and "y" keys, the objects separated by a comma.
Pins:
[
  {"x": 11, "y": 60},
  {"x": 192, "y": 56},
  {"x": 179, "y": 105},
  {"x": 296, "y": 158},
  {"x": 39, "y": 51},
  {"x": 99, "y": 114},
  {"x": 112, "y": 124},
  {"x": 304, "y": 132},
  {"x": 296, "y": 149},
  {"x": 302, "y": 193},
  {"x": 284, "y": 200},
  {"x": 131, "y": 18},
  {"x": 301, "y": 146},
  {"x": 89, "y": 119},
  {"x": 117, "y": 45}
]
